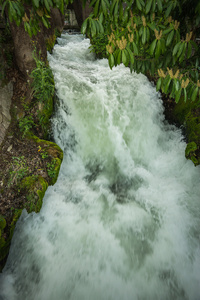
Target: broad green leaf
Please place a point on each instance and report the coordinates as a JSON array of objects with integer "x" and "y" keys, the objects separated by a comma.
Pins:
[
  {"x": 194, "y": 94},
  {"x": 111, "y": 61},
  {"x": 185, "y": 95},
  {"x": 153, "y": 5},
  {"x": 158, "y": 49},
  {"x": 189, "y": 51},
  {"x": 139, "y": 6},
  {"x": 162, "y": 41},
  {"x": 158, "y": 84},
  {"x": 17, "y": 8},
  {"x": 169, "y": 9},
  {"x": 177, "y": 85},
  {"x": 148, "y": 6},
  {"x": 151, "y": 26},
  {"x": 11, "y": 11},
  {"x": 103, "y": 5},
  {"x": 125, "y": 57},
  {"x": 113, "y": 6},
  {"x": 169, "y": 38},
  {"x": 166, "y": 31},
  {"x": 116, "y": 9},
  {"x": 178, "y": 95},
  {"x": 181, "y": 58},
  {"x": 28, "y": 28},
  {"x": 93, "y": 28},
  {"x": 36, "y": 3},
  {"x": 141, "y": 31},
  {"x": 45, "y": 22},
  {"x": 159, "y": 3},
  {"x": 3, "y": 7},
  {"x": 152, "y": 47},
  {"x": 96, "y": 8},
  {"x": 176, "y": 47},
  {"x": 144, "y": 35},
  {"x": 92, "y": 3},
  {"x": 180, "y": 50},
  {"x": 101, "y": 29},
  {"x": 166, "y": 87},
  {"x": 135, "y": 48},
  {"x": 119, "y": 57},
  {"x": 84, "y": 26},
  {"x": 46, "y": 5},
  {"x": 101, "y": 18},
  {"x": 131, "y": 56}
]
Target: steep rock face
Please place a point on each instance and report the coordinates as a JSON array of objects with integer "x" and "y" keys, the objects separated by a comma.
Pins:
[{"x": 6, "y": 93}]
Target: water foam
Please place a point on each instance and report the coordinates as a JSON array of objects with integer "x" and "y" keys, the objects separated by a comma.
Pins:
[{"x": 122, "y": 221}]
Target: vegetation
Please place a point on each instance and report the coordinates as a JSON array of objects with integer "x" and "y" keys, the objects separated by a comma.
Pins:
[
  {"x": 157, "y": 38},
  {"x": 31, "y": 12},
  {"x": 43, "y": 81}
]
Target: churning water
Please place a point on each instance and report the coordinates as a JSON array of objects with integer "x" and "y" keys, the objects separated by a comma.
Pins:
[{"x": 122, "y": 222}]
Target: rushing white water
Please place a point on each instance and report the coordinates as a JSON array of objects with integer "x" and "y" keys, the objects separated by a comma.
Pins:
[{"x": 122, "y": 222}]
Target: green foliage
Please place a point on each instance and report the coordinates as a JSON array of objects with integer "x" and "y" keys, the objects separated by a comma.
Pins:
[
  {"x": 154, "y": 37},
  {"x": 43, "y": 81},
  {"x": 42, "y": 152},
  {"x": 25, "y": 124},
  {"x": 190, "y": 152},
  {"x": 51, "y": 168},
  {"x": 31, "y": 12},
  {"x": 19, "y": 170},
  {"x": 98, "y": 45}
]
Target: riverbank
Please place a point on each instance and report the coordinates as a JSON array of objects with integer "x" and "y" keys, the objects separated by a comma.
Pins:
[{"x": 29, "y": 160}]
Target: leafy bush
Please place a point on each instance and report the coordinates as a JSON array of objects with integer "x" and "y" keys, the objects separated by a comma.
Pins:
[
  {"x": 43, "y": 81},
  {"x": 154, "y": 37},
  {"x": 25, "y": 124}
]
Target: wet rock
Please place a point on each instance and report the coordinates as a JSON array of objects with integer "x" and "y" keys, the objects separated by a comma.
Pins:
[{"x": 6, "y": 93}]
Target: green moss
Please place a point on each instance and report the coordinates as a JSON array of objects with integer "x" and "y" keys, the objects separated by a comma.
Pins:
[
  {"x": 2, "y": 222},
  {"x": 5, "y": 245},
  {"x": 41, "y": 192},
  {"x": 52, "y": 148},
  {"x": 44, "y": 113},
  {"x": 188, "y": 114},
  {"x": 55, "y": 170},
  {"x": 50, "y": 42},
  {"x": 35, "y": 189}
]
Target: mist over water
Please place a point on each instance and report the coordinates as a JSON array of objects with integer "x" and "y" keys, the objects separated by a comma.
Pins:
[{"x": 122, "y": 222}]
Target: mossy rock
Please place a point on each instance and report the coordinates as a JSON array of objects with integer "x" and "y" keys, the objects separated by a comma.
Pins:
[
  {"x": 56, "y": 163},
  {"x": 35, "y": 190},
  {"x": 188, "y": 114},
  {"x": 5, "y": 245},
  {"x": 52, "y": 148}
]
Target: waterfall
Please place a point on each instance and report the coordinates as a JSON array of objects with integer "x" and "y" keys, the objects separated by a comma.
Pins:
[{"x": 122, "y": 222}]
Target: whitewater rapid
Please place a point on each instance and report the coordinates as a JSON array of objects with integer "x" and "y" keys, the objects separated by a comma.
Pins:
[{"x": 122, "y": 222}]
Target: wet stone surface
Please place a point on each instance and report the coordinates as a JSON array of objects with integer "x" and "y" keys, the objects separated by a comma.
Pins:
[{"x": 6, "y": 93}]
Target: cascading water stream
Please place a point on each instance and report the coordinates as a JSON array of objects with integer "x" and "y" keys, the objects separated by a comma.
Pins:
[{"x": 122, "y": 222}]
